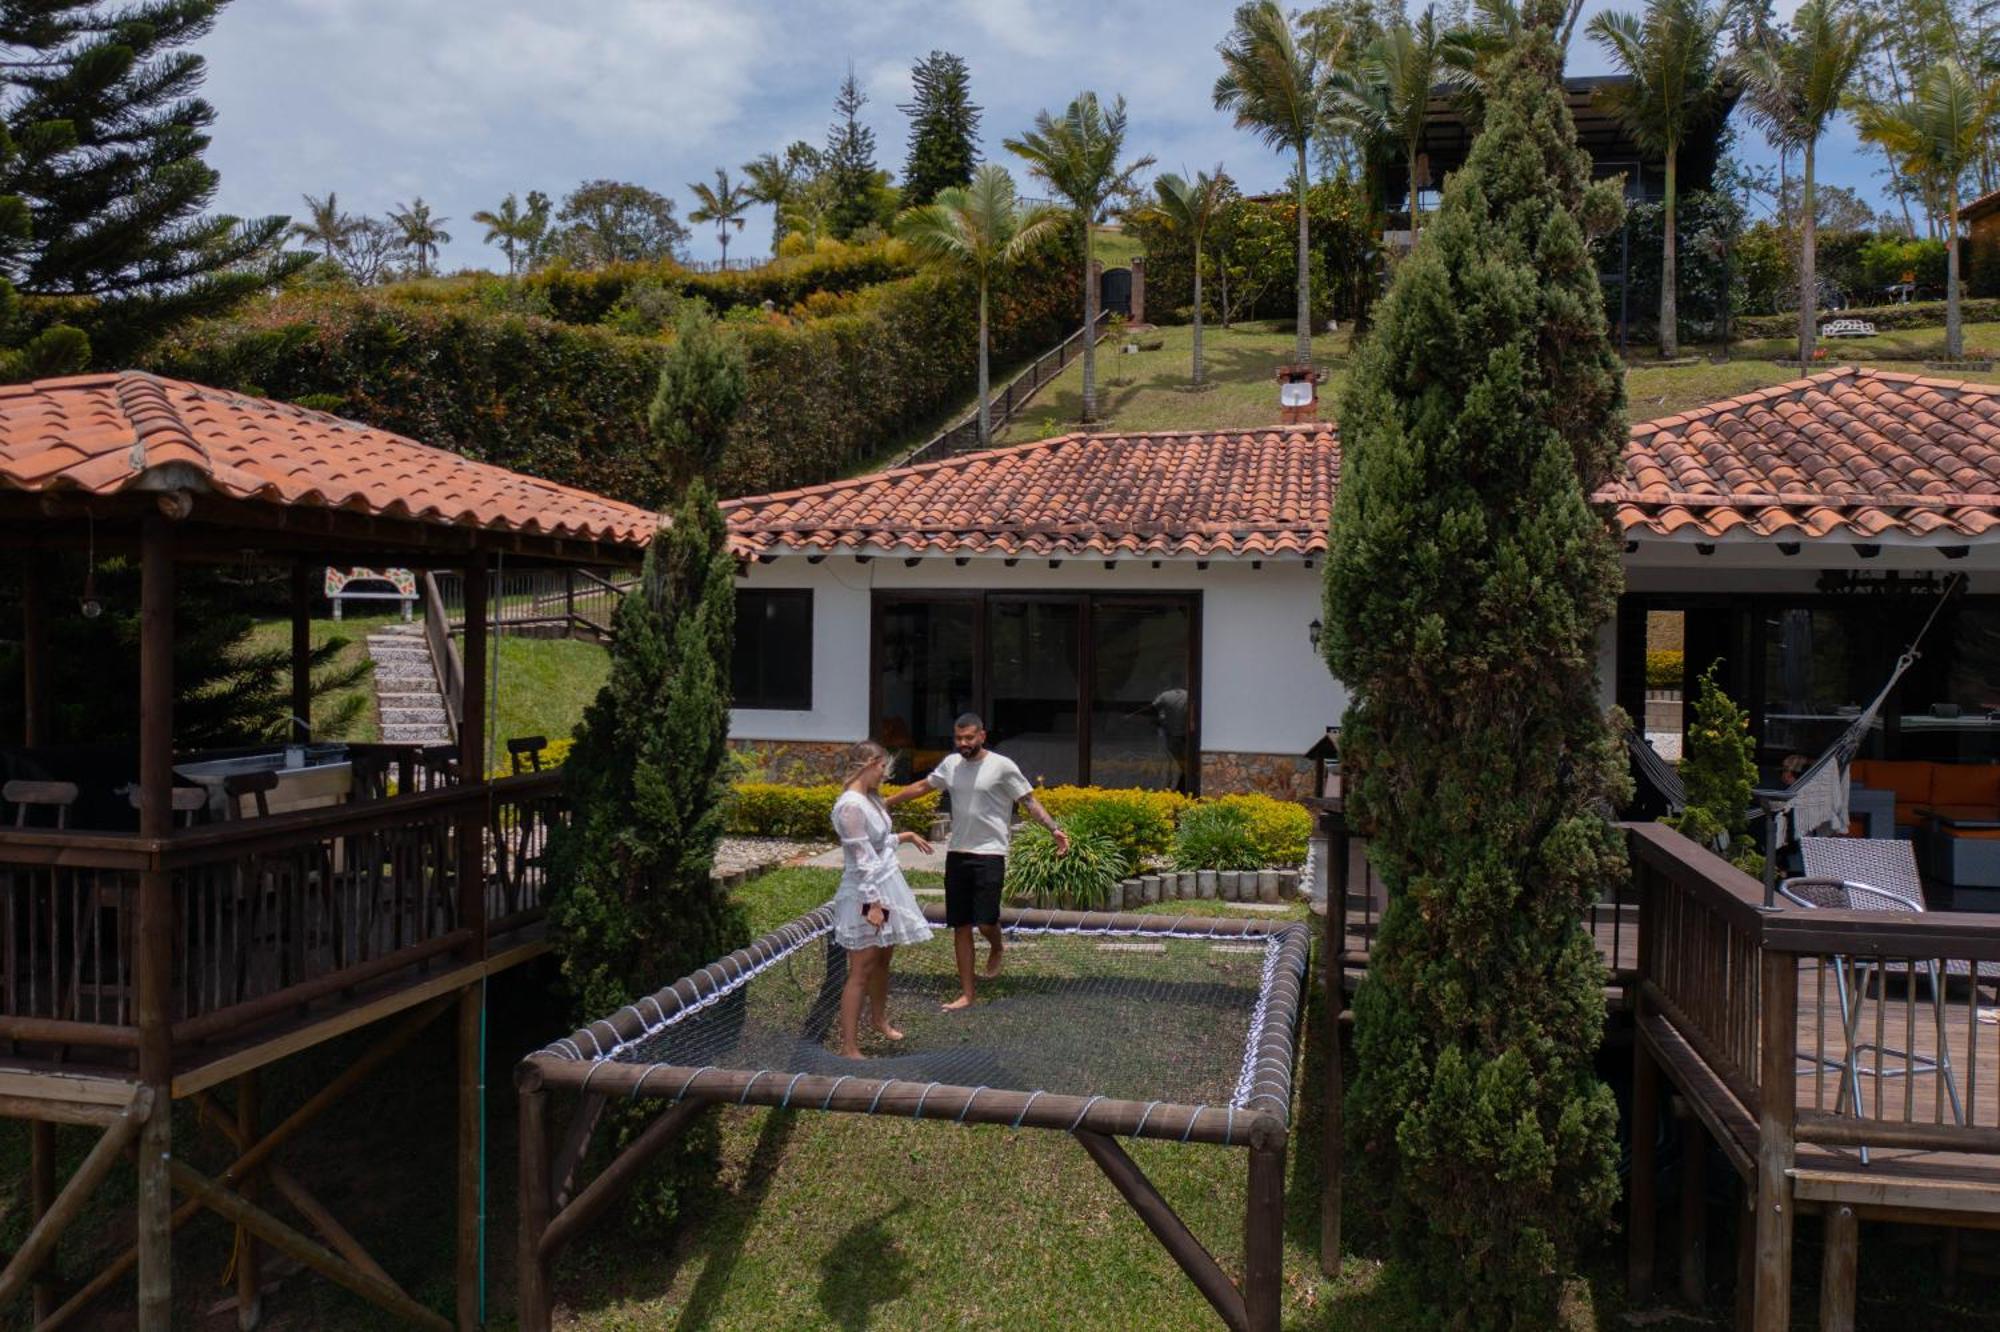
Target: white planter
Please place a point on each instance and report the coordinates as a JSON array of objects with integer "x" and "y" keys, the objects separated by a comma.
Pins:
[
  {"x": 1205, "y": 884},
  {"x": 1271, "y": 885}
]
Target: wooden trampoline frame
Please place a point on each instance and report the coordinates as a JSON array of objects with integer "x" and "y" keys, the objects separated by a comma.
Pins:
[{"x": 553, "y": 1210}]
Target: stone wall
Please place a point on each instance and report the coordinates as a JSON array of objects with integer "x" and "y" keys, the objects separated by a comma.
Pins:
[
  {"x": 1228, "y": 772},
  {"x": 800, "y": 762}
]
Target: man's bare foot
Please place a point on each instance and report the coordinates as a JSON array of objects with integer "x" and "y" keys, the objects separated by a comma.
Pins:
[
  {"x": 963, "y": 1001},
  {"x": 851, "y": 1052},
  {"x": 888, "y": 1032},
  {"x": 993, "y": 953}
]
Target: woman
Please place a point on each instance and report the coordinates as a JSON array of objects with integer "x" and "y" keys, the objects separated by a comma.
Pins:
[{"x": 875, "y": 909}]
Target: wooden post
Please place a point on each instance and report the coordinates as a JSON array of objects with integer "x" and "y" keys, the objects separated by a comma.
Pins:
[
  {"x": 1836, "y": 1278},
  {"x": 1643, "y": 1201},
  {"x": 301, "y": 729},
  {"x": 155, "y": 951},
  {"x": 1333, "y": 1147},
  {"x": 1777, "y": 1096},
  {"x": 1746, "y": 1260},
  {"x": 471, "y": 1147},
  {"x": 472, "y": 732},
  {"x": 537, "y": 1301},
  {"x": 249, "y": 1300},
  {"x": 1264, "y": 1239},
  {"x": 1167, "y": 1227},
  {"x": 42, "y": 1196},
  {"x": 34, "y": 653},
  {"x": 1694, "y": 1205}
]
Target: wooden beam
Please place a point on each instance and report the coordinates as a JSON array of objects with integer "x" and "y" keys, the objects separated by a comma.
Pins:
[
  {"x": 1836, "y": 1278},
  {"x": 472, "y": 733},
  {"x": 1264, "y": 1240},
  {"x": 249, "y": 1302},
  {"x": 531, "y": 1269},
  {"x": 231, "y": 1206},
  {"x": 42, "y": 1113},
  {"x": 49, "y": 1226},
  {"x": 155, "y": 955},
  {"x": 1333, "y": 965},
  {"x": 617, "y": 1177},
  {"x": 471, "y": 1145},
  {"x": 62, "y": 1085},
  {"x": 35, "y": 651},
  {"x": 576, "y": 1141},
  {"x": 42, "y": 1197},
  {"x": 1167, "y": 1227},
  {"x": 1694, "y": 1205},
  {"x": 301, "y": 728},
  {"x": 1642, "y": 1212},
  {"x": 1777, "y": 1086}
]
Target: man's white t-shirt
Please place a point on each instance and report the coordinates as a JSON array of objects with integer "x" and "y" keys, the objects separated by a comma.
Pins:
[{"x": 983, "y": 793}]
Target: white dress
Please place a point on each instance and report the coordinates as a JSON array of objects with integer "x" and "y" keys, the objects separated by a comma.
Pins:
[{"x": 868, "y": 840}]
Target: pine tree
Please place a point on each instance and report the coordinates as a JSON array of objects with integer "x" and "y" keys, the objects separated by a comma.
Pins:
[
  {"x": 104, "y": 137},
  {"x": 1467, "y": 581},
  {"x": 944, "y": 129},
  {"x": 850, "y": 163},
  {"x": 703, "y": 382}
]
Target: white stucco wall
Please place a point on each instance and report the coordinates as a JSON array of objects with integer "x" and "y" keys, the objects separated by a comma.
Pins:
[{"x": 1263, "y": 688}]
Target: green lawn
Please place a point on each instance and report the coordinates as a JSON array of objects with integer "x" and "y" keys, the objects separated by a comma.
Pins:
[
  {"x": 542, "y": 688},
  {"x": 1149, "y": 390},
  {"x": 1115, "y": 248}
]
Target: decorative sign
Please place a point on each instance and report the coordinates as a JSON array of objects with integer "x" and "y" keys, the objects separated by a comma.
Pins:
[{"x": 402, "y": 581}]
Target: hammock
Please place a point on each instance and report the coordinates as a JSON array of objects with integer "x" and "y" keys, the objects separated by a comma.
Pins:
[{"x": 1655, "y": 774}]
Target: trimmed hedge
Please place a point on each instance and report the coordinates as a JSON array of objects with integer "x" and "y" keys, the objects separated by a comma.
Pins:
[
  {"x": 568, "y": 402},
  {"x": 1917, "y": 314},
  {"x": 1664, "y": 667},
  {"x": 1279, "y": 829},
  {"x": 805, "y": 813}
]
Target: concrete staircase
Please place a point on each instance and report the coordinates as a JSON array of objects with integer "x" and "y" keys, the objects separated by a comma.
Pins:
[{"x": 406, "y": 686}]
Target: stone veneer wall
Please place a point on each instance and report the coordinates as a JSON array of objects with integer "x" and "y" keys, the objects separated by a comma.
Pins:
[
  {"x": 1230, "y": 772},
  {"x": 797, "y": 761}
]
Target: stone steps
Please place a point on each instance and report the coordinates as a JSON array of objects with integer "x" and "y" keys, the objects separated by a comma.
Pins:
[{"x": 411, "y": 709}]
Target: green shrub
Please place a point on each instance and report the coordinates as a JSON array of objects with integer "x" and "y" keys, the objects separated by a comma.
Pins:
[
  {"x": 1079, "y": 881},
  {"x": 805, "y": 813},
  {"x": 1664, "y": 667},
  {"x": 1279, "y": 829},
  {"x": 1718, "y": 771},
  {"x": 1917, "y": 314},
  {"x": 1139, "y": 823},
  {"x": 1216, "y": 836}
]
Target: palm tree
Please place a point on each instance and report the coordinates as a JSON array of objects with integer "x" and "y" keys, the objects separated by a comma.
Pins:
[
  {"x": 1795, "y": 86},
  {"x": 1388, "y": 95},
  {"x": 1672, "y": 58},
  {"x": 980, "y": 229},
  {"x": 326, "y": 226},
  {"x": 422, "y": 233},
  {"x": 1935, "y": 137},
  {"x": 722, "y": 204},
  {"x": 1077, "y": 157},
  {"x": 1271, "y": 82},
  {"x": 779, "y": 182},
  {"x": 1189, "y": 208},
  {"x": 515, "y": 230}
]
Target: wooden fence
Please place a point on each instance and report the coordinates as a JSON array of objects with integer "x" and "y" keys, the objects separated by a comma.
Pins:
[{"x": 962, "y": 435}]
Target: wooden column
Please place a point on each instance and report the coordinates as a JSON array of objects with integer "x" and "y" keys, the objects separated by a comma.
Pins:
[
  {"x": 1642, "y": 1209},
  {"x": 34, "y": 652},
  {"x": 155, "y": 947},
  {"x": 1694, "y": 1205},
  {"x": 1333, "y": 1148},
  {"x": 471, "y": 1151},
  {"x": 42, "y": 1196},
  {"x": 301, "y": 729},
  {"x": 472, "y": 734},
  {"x": 1746, "y": 1259},
  {"x": 1264, "y": 1239},
  {"x": 249, "y": 1301},
  {"x": 537, "y": 1299},
  {"x": 1777, "y": 1094},
  {"x": 1836, "y": 1277}
]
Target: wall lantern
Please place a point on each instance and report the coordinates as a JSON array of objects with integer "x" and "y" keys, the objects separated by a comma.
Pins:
[{"x": 1313, "y": 631}]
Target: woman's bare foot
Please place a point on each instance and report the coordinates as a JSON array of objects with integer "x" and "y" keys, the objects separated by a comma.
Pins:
[
  {"x": 851, "y": 1052},
  {"x": 888, "y": 1032},
  {"x": 963, "y": 1001}
]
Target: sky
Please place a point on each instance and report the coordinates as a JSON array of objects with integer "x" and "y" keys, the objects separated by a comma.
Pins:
[{"x": 463, "y": 101}]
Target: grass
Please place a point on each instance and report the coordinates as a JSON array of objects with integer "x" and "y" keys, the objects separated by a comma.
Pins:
[
  {"x": 1115, "y": 247},
  {"x": 543, "y": 686},
  {"x": 1149, "y": 390}
]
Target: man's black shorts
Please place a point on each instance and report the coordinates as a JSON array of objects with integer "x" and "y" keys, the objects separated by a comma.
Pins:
[{"x": 972, "y": 888}]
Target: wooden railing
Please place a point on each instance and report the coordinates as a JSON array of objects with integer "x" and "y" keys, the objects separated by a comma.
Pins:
[
  {"x": 1002, "y": 403},
  {"x": 567, "y": 602},
  {"x": 450, "y": 667},
  {"x": 271, "y": 914}
]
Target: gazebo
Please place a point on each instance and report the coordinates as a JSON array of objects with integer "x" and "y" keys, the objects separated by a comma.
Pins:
[{"x": 173, "y": 959}]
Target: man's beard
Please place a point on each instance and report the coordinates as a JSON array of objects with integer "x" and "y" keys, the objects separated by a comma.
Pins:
[{"x": 968, "y": 752}]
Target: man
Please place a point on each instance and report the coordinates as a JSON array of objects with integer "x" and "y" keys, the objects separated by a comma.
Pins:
[{"x": 984, "y": 787}]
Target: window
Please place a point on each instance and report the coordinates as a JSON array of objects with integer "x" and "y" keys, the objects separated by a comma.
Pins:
[{"x": 772, "y": 667}]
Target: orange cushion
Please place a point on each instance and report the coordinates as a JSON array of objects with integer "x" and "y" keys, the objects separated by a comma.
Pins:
[
  {"x": 1977, "y": 834},
  {"x": 1966, "y": 784},
  {"x": 1910, "y": 814},
  {"x": 1910, "y": 779}
]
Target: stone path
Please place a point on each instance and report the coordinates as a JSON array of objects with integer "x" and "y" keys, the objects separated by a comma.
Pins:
[
  {"x": 406, "y": 687},
  {"x": 906, "y": 855}
]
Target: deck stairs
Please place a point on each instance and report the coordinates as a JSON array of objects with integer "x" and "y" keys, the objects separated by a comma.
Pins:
[{"x": 407, "y": 697}]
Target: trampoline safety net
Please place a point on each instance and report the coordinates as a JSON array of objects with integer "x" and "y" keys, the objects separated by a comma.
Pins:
[{"x": 1172, "y": 1012}]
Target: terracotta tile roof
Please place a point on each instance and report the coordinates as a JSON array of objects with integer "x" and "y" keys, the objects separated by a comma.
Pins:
[
  {"x": 1980, "y": 207},
  {"x": 1851, "y": 453},
  {"x": 122, "y": 431},
  {"x": 1251, "y": 493}
]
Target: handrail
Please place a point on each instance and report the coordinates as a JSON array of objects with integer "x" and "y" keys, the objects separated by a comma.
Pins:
[
  {"x": 445, "y": 660},
  {"x": 1003, "y": 402},
  {"x": 1719, "y": 885}
]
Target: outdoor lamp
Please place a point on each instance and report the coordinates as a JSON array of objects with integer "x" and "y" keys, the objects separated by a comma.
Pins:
[{"x": 1313, "y": 632}]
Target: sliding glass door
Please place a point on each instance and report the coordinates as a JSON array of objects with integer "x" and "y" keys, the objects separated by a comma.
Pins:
[{"x": 1074, "y": 687}]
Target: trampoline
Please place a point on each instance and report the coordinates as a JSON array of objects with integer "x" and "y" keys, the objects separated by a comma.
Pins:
[{"x": 1102, "y": 1025}]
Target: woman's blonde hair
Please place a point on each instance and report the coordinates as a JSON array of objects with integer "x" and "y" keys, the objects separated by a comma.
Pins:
[{"x": 859, "y": 756}]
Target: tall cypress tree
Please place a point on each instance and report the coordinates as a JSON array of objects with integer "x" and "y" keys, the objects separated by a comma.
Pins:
[
  {"x": 944, "y": 129},
  {"x": 103, "y": 151},
  {"x": 1468, "y": 577},
  {"x": 850, "y": 162}
]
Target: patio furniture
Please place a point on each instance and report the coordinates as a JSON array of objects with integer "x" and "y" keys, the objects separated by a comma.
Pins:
[
  {"x": 56, "y": 797},
  {"x": 524, "y": 753},
  {"x": 1964, "y": 852}
]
